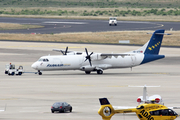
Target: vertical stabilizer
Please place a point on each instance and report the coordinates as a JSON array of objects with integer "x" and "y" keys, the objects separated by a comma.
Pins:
[
  {"x": 154, "y": 44},
  {"x": 145, "y": 95}
]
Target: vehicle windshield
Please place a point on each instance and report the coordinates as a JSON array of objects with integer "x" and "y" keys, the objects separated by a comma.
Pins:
[
  {"x": 57, "y": 104},
  {"x": 112, "y": 18},
  {"x": 12, "y": 67}
]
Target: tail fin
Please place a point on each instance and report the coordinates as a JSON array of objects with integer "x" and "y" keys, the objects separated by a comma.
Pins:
[
  {"x": 154, "y": 44},
  {"x": 145, "y": 94},
  {"x": 106, "y": 110}
]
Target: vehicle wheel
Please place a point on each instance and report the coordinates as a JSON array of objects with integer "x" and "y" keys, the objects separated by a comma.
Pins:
[
  {"x": 109, "y": 24},
  {"x": 6, "y": 72},
  {"x": 70, "y": 110},
  {"x": 88, "y": 72},
  {"x": 52, "y": 111},
  {"x": 40, "y": 73},
  {"x": 64, "y": 110},
  {"x": 12, "y": 73},
  {"x": 99, "y": 72},
  {"x": 20, "y": 73},
  {"x": 115, "y": 24}
]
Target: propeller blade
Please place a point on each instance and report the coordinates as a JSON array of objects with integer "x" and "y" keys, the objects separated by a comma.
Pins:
[
  {"x": 90, "y": 62},
  {"x": 62, "y": 52},
  {"x": 86, "y": 51},
  {"x": 66, "y": 51},
  {"x": 91, "y": 54},
  {"x": 88, "y": 57}
]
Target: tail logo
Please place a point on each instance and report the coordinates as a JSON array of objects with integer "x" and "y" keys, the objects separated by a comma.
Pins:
[
  {"x": 153, "y": 47},
  {"x": 104, "y": 102}
]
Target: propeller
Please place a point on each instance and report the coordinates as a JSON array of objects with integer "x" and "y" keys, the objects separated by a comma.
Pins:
[
  {"x": 88, "y": 57},
  {"x": 65, "y": 52}
]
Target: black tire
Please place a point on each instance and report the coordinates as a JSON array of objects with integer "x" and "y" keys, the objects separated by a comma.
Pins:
[
  {"x": 109, "y": 24},
  {"x": 40, "y": 73},
  {"x": 64, "y": 110},
  {"x": 6, "y": 72},
  {"x": 52, "y": 111},
  {"x": 12, "y": 73},
  {"x": 88, "y": 72},
  {"x": 70, "y": 110},
  {"x": 99, "y": 72},
  {"x": 115, "y": 24},
  {"x": 20, "y": 73}
]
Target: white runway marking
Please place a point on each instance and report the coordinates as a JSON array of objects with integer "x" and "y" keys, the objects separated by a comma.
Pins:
[{"x": 67, "y": 22}]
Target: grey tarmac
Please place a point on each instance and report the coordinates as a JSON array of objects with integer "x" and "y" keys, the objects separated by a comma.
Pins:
[
  {"x": 30, "y": 96},
  {"x": 68, "y": 25}
]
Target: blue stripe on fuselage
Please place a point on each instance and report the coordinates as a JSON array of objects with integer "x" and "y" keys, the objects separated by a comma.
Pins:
[{"x": 151, "y": 57}]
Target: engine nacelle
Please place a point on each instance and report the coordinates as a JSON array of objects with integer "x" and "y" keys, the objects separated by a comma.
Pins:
[
  {"x": 87, "y": 68},
  {"x": 97, "y": 56}
]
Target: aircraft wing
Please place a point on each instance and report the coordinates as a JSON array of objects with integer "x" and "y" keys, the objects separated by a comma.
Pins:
[
  {"x": 68, "y": 52},
  {"x": 58, "y": 50}
]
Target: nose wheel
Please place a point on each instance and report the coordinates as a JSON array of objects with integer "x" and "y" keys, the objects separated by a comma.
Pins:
[{"x": 39, "y": 72}]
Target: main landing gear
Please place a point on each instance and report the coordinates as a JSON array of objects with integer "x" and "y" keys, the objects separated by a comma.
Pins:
[{"x": 98, "y": 72}]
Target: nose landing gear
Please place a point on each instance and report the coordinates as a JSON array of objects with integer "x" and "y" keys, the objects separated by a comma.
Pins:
[{"x": 39, "y": 72}]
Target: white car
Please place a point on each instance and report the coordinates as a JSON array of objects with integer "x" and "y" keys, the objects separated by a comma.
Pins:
[{"x": 112, "y": 21}]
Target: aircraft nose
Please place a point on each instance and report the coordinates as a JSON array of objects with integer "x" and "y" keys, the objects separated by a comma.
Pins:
[{"x": 34, "y": 66}]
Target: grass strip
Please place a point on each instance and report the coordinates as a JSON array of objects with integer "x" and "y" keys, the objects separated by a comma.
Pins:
[
  {"x": 135, "y": 37},
  {"x": 11, "y": 26}
]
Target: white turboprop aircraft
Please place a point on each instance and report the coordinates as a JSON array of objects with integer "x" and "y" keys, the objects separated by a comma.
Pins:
[{"x": 71, "y": 60}]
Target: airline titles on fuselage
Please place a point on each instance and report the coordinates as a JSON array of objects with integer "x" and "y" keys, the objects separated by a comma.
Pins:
[{"x": 57, "y": 65}]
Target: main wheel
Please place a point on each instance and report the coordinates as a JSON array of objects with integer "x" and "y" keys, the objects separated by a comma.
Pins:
[
  {"x": 88, "y": 72},
  {"x": 40, "y": 73},
  {"x": 52, "y": 111},
  {"x": 99, "y": 72}
]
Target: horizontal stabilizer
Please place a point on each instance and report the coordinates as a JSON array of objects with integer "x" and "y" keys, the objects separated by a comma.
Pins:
[{"x": 161, "y": 33}]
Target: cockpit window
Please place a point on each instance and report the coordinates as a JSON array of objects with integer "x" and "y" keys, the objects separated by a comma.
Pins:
[{"x": 44, "y": 60}]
